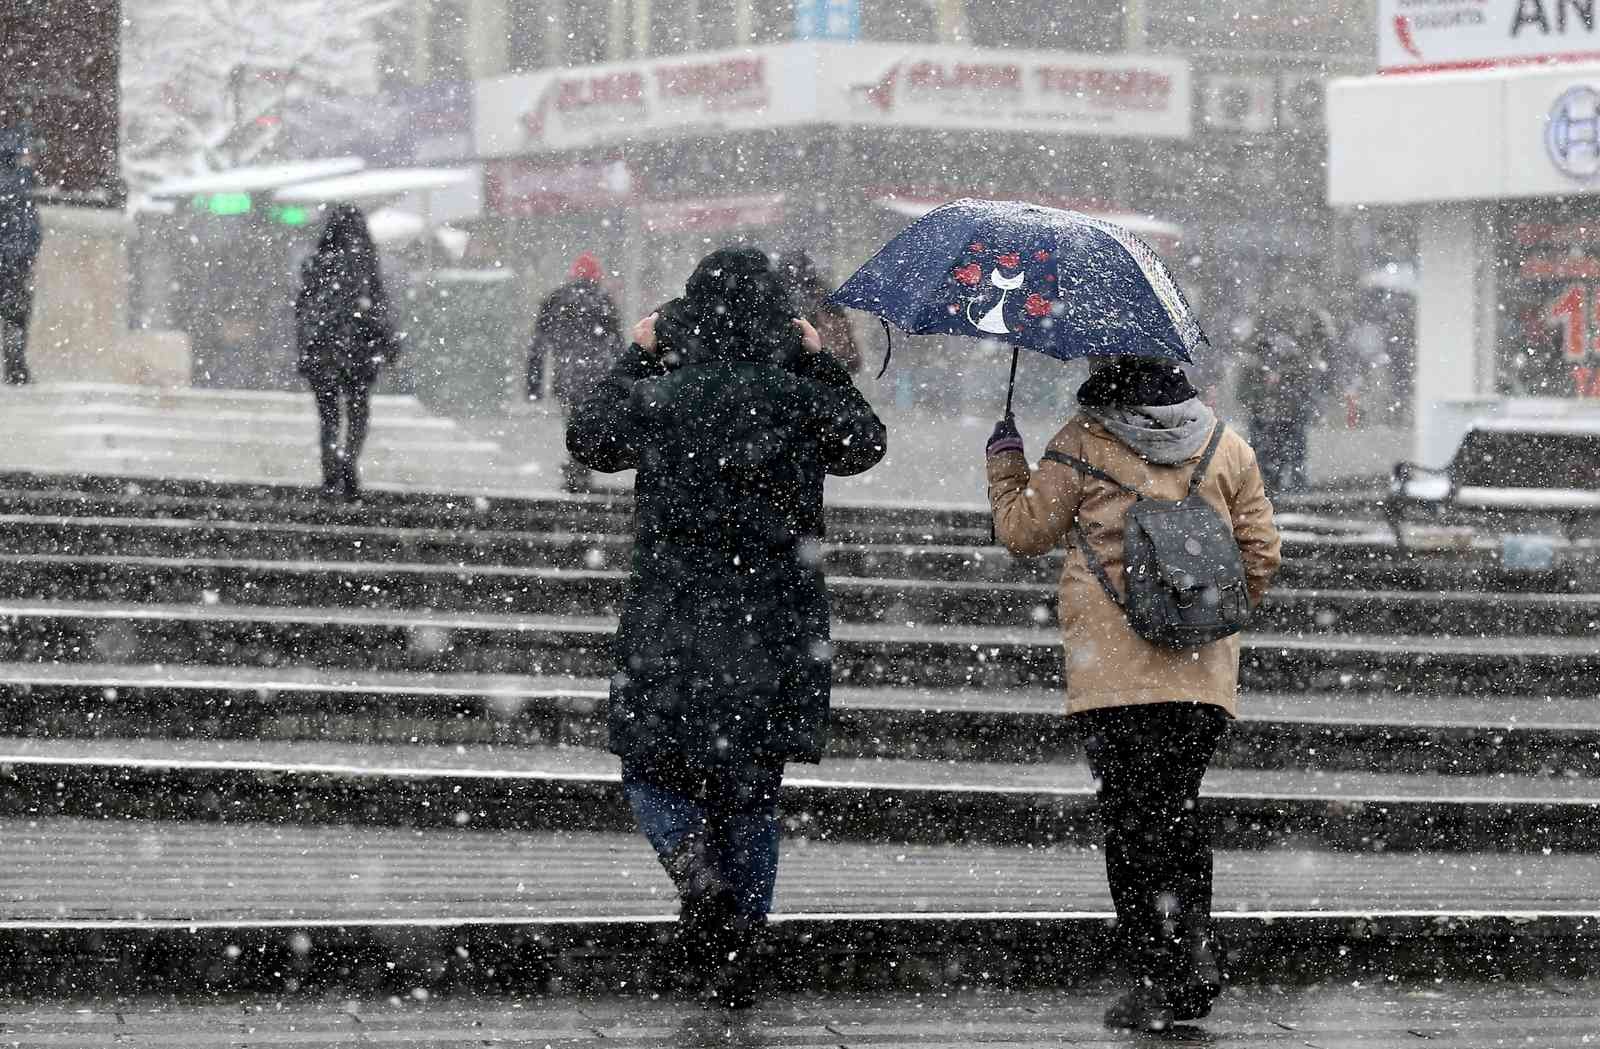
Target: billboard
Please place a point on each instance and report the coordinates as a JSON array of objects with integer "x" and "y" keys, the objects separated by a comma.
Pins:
[
  {"x": 1438, "y": 35},
  {"x": 892, "y": 85}
]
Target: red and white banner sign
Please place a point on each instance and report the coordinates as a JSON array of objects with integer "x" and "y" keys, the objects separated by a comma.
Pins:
[
  {"x": 832, "y": 83},
  {"x": 1008, "y": 91},
  {"x": 1438, "y": 35}
]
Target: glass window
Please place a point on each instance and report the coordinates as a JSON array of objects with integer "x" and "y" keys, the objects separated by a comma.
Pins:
[
  {"x": 587, "y": 25},
  {"x": 397, "y": 47},
  {"x": 447, "y": 39},
  {"x": 908, "y": 21},
  {"x": 716, "y": 24},
  {"x": 527, "y": 29},
  {"x": 671, "y": 26},
  {"x": 771, "y": 21},
  {"x": 1062, "y": 25}
]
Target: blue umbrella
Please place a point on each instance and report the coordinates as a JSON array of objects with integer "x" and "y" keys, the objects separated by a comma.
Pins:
[{"x": 1065, "y": 284}]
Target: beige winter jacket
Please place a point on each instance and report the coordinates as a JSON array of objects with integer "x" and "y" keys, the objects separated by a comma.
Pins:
[{"x": 1107, "y": 664}]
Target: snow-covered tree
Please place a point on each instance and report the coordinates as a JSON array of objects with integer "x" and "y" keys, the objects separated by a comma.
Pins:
[{"x": 205, "y": 82}]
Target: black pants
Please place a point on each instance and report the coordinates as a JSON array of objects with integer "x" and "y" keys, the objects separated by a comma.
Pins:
[
  {"x": 1280, "y": 447},
  {"x": 343, "y": 411},
  {"x": 1149, "y": 761},
  {"x": 14, "y": 310}
]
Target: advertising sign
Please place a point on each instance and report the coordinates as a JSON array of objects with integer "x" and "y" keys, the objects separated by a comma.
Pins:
[
  {"x": 1548, "y": 277},
  {"x": 1009, "y": 91},
  {"x": 574, "y": 108},
  {"x": 1424, "y": 35},
  {"x": 860, "y": 84}
]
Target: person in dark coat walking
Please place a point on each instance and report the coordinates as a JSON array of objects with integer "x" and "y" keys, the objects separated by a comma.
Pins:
[
  {"x": 1284, "y": 376},
  {"x": 20, "y": 237},
  {"x": 808, "y": 289},
  {"x": 732, "y": 413},
  {"x": 579, "y": 332},
  {"x": 345, "y": 337}
]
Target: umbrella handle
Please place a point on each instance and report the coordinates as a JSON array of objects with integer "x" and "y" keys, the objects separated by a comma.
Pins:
[
  {"x": 1011, "y": 385},
  {"x": 1011, "y": 388},
  {"x": 888, "y": 347}
]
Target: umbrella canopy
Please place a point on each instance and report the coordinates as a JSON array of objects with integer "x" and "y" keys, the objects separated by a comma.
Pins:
[{"x": 1065, "y": 284}]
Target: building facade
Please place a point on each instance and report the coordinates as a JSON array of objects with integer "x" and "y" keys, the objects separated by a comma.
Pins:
[{"x": 651, "y": 130}]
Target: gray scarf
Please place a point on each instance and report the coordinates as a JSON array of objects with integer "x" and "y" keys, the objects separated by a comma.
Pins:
[{"x": 1164, "y": 434}]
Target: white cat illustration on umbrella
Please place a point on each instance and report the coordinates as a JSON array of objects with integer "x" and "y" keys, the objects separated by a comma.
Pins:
[{"x": 994, "y": 321}]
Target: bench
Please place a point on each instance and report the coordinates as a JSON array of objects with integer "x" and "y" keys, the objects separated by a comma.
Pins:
[{"x": 1531, "y": 486}]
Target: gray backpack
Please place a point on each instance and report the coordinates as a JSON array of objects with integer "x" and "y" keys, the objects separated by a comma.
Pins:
[{"x": 1185, "y": 575}]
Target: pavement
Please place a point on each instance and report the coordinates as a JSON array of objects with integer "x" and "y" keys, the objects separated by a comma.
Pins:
[{"x": 1443, "y": 1015}]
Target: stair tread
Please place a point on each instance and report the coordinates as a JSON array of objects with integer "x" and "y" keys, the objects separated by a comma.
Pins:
[
  {"x": 580, "y": 764},
  {"x": 956, "y": 634},
  {"x": 1335, "y": 708},
  {"x": 65, "y": 870}
]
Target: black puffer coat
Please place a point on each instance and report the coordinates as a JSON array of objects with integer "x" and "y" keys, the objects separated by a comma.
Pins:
[
  {"x": 723, "y": 650},
  {"x": 20, "y": 230},
  {"x": 342, "y": 323}
]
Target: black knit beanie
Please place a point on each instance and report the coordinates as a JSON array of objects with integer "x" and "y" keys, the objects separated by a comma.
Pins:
[{"x": 1134, "y": 381}]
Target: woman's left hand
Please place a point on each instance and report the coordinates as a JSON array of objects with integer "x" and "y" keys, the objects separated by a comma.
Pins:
[
  {"x": 644, "y": 333},
  {"x": 808, "y": 335}
]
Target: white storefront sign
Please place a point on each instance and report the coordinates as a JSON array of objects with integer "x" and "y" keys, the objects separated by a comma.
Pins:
[
  {"x": 1423, "y": 35},
  {"x": 830, "y": 83},
  {"x": 1501, "y": 134}
]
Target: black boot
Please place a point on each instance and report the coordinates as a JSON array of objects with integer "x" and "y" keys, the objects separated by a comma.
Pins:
[
  {"x": 705, "y": 912},
  {"x": 741, "y": 959},
  {"x": 1201, "y": 980},
  {"x": 1145, "y": 1008}
]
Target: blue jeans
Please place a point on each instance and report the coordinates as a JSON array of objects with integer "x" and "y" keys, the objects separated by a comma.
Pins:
[{"x": 735, "y": 808}]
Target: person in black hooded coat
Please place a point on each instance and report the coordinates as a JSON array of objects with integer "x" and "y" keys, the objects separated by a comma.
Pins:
[
  {"x": 20, "y": 237},
  {"x": 345, "y": 336},
  {"x": 732, "y": 414}
]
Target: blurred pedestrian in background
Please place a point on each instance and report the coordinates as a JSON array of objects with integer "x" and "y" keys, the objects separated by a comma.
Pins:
[
  {"x": 579, "y": 334},
  {"x": 20, "y": 237},
  {"x": 345, "y": 337},
  {"x": 1150, "y": 714},
  {"x": 732, "y": 413},
  {"x": 1282, "y": 379},
  {"x": 808, "y": 289}
]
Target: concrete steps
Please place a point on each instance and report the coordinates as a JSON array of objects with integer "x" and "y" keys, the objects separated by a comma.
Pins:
[
  {"x": 209, "y": 907},
  {"x": 889, "y": 801},
  {"x": 865, "y": 655},
  {"x": 1443, "y": 735},
  {"x": 365, "y": 581},
  {"x": 240, "y": 672}
]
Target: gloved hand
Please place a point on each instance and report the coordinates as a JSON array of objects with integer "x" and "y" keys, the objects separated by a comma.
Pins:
[{"x": 1005, "y": 438}]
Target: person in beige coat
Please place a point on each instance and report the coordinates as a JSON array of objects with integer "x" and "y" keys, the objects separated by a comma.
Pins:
[{"x": 1150, "y": 716}]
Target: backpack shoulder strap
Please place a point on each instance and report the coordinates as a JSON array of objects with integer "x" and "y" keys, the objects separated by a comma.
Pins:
[
  {"x": 1205, "y": 460},
  {"x": 1091, "y": 470},
  {"x": 1081, "y": 538}
]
